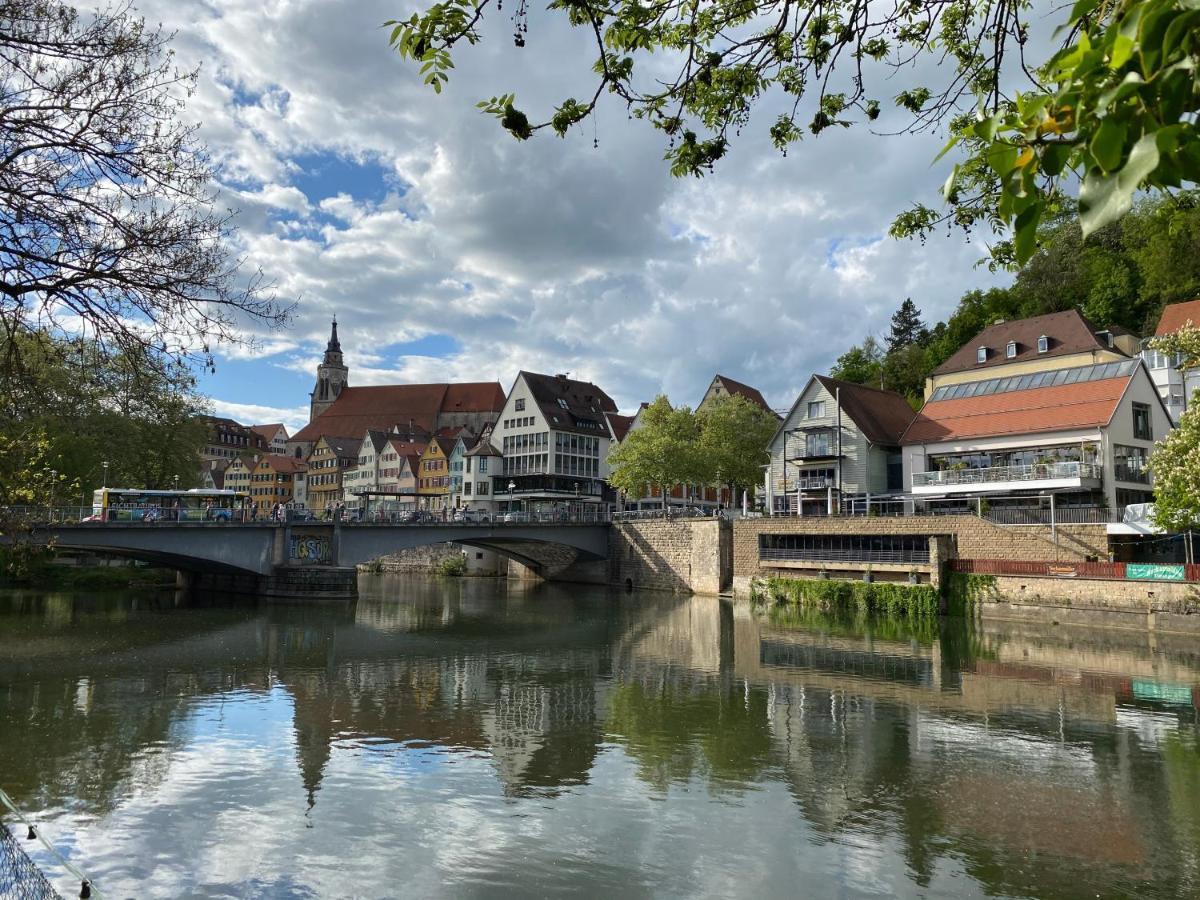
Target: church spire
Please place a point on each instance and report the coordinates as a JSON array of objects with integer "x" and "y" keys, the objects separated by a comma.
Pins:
[
  {"x": 332, "y": 376},
  {"x": 333, "y": 346}
]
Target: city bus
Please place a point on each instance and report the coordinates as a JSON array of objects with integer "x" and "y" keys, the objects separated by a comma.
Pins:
[{"x": 142, "y": 505}]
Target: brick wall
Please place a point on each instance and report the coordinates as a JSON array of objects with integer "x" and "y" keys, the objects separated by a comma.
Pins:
[
  {"x": 970, "y": 538},
  {"x": 681, "y": 555}
]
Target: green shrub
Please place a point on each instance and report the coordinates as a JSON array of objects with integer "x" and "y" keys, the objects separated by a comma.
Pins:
[
  {"x": 455, "y": 566},
  {"x": 965, "y": 592},
  {"x": 912, "y": 600}
]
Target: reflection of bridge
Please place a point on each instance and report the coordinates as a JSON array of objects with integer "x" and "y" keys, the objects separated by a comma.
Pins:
[{"x": 318, "y": 559}]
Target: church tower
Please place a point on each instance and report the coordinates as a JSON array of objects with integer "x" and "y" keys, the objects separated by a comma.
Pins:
[{"x": 332, "y": 376}]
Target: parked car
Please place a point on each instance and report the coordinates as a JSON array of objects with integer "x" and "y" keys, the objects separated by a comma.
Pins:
[
  {"x": 468, "y": 516},
  {"x": 517, "y": 517}
]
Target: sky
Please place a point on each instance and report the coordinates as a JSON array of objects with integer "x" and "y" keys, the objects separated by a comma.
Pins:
[{"x": 449, "y": 251}]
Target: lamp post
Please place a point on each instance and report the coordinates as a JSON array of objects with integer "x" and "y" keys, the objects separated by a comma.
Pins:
[
  {"x": 175, "y": 481},
  {"x": 512, "y": 487},
  {"x": 53, "y": 479},
  {"x": 578, "y": 507},
  {"x": 104, "y": 480}
]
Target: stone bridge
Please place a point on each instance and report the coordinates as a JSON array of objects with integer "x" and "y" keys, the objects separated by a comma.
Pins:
[{"x": 318, "y": 559}]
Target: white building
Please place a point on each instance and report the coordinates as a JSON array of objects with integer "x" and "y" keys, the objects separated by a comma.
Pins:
[
  {"x": 1081, "y": 434},
  {"x": 1175, "y": 385},
  {"x": 839, "y": 444},
  {"x": 554, "y": 438}
]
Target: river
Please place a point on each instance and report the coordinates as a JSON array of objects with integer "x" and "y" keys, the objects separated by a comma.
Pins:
[{"x": 467, "y": 737}]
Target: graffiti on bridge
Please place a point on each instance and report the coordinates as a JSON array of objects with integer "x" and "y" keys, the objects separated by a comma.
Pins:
[{"x": 310, "y": 549}]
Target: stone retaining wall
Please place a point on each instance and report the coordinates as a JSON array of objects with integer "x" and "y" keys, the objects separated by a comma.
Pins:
[
  {"x": 680, "y": 555},
  {"x": 970, "y": 538},
  {"x": 417, "y": 561}
]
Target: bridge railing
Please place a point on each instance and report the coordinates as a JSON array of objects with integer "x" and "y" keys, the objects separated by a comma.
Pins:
[{"x": 76, "y": 515}]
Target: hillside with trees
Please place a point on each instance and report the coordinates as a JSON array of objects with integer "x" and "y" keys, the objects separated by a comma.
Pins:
[{"x": 1123, "y": 275}]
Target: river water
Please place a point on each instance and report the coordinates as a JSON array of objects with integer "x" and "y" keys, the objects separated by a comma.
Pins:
[{"x": 467, "y": 738}]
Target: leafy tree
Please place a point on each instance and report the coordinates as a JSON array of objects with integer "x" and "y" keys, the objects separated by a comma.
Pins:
[
  {"x": 733, "y": 438},
  {"x": 107, "y": 218},
  {"x": 85, "y": 406},
  {"x": 1114, "y": 108},
  {"x": 862, "y": 364},
  {"x": 1175, "y": 461},
  {"x": 661, "y": 451},
  {"x": 905, "y": 370},
  {"x": 907, "y": 327}
]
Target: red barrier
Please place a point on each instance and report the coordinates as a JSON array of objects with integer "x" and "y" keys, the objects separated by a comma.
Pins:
[{"x": 1048, "y": 569}]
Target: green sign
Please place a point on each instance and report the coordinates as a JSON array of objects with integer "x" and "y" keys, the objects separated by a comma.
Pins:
[{"x": 1154, "y": 571}]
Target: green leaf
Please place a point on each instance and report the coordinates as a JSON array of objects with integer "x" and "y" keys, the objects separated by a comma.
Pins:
[
  {"x": 1108, "y": 143},
  {"x": 1054, "y": 158},
  {"x": 1105, "y": 198},
  {"x": 1025, "y": 231}
]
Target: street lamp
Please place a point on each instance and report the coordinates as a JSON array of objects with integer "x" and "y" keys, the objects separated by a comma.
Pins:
[
  {"x": 175, "y": 479},
  {"x": 53, "y": 479},
  {"x": 512, "y": 487},
  {"x": 104, "y": 480}
]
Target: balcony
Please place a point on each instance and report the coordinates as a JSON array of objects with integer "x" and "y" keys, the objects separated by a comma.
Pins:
[
  {"x": 1039, "y": 476},
  {"x": 790, "y": 485},
  {"x": 1136, "y": 475}
]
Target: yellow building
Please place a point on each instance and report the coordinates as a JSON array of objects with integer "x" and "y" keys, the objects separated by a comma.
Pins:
[
  {"x": 329, "y": 459},
  {"x": 1061, "y": 340},
  {"x": 238, "y": 472},
  {"x": 273, "y": 481},
  {"x": 433, "y": 475}
]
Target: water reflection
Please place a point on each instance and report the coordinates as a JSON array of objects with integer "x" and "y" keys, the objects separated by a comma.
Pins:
[{"x": 460, "y": 737}]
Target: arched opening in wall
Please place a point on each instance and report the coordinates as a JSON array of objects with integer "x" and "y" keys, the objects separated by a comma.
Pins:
[{"x": 629, "y": 585}]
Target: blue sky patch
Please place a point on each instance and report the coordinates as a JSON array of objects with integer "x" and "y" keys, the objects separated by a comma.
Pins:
[{"x": 323, "y": 175}]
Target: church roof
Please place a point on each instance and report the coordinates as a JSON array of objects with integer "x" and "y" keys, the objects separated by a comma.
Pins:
[{"x": 384, "y": 407}]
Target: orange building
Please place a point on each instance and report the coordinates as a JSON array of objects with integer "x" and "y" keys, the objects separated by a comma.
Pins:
[{"x": 273, "y": 481}]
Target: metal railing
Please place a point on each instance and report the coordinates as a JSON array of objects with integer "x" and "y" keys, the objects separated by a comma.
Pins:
[
  {"x": 1137, "y": 475},
  {"x": 998, "y": 474},
  {"x": 83, "y": 515},
  {"x": 671, "y": 512}
]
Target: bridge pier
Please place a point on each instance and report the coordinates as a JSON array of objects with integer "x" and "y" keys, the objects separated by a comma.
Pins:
[{"x": 285, "y": 583}]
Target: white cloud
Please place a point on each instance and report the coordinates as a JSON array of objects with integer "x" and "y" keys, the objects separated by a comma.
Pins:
[
  {"x": 547, "y": 255},
  {"x": 294, "y": 418}
]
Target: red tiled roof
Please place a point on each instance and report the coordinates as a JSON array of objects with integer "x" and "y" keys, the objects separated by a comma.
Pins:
[
  {"x": 267, "y": 432},
  {"x": 474, "y": 396},
  {"x": 1176, "y": 316},
  {"x": 1087, "y": 405},
  {"x": 280, "y": 463},
  {"x": 620, "y": 425},
  {"x": 383, "y": 407},
  {"x": 1068, "y": 332},
  {"x": 744, "y": 390},
  {"x": 403, "y": 446},
  {"x": 880, "y": 415}
]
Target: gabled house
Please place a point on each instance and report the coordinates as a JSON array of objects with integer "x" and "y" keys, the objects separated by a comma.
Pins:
[
  {"x": 1060, "y": 340},
  {"x": 456, "y": 464},
  {"x": 1078, "y": 436},
  {"x": 433, "y": 476},
  {"x": 722, "y": 386},
  {"x": 1175, "y": 385},
  {"x": 238, "y": 472},
  {"x": 273, "y": 481},
  {"x": 328, "y": 461},
  {"x": 274, "y": 436},
  {"x": 480, "y": 462},
  {"x": 554, "y": 435},
  {"x": 361, "y": 482},
  {"x": 838, "y": 445}
]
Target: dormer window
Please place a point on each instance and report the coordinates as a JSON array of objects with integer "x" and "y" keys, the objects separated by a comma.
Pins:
[
  {"x": 1043, "y": 344},
  {"x": 981, "y": 355},
  {"x": 1010, "y": 351}
]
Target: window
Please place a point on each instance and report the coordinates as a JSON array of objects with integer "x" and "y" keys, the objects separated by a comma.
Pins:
[
  {"x": 1011, "y": 350},
  {"x": 519, "y": 405},
  {"x": 817, "y": 444},
  {"x": 1043, "y": 344},
  {"x": 1141, "y": 422},
  {"x": 816, "y": 409},
  {"x": 981, "y": 355},
  {"x": 482, "y": 488},
  {"x": 562, "y": 403}
]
